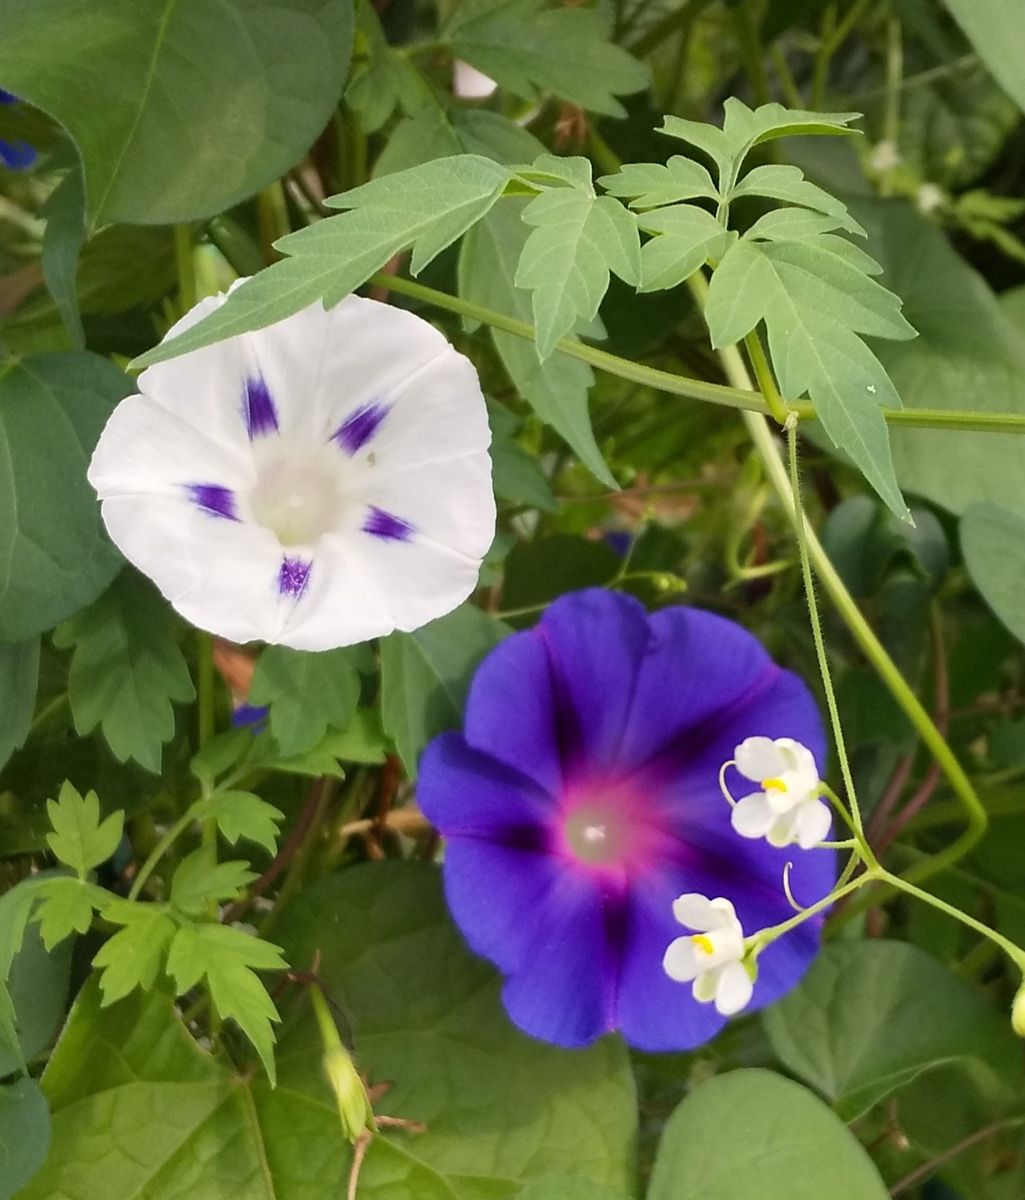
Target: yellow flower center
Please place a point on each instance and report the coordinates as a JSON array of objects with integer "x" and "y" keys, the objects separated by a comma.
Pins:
[
  {"x": 702, "y": 942},
  {"x": 775, "y": 785}
]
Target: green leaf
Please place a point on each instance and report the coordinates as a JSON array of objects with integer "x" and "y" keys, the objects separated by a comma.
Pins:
[
  {"x": 362, "y": 741},
  {"x": 382, "y": 79},
  {"x": 578, "y": 239},
  {"x": 238, "y": 90},
  {"x": 425, "y": 676},
  {"x": 568, "y": 1187},
  {"x": 66, "y": 907},
  {"x": 62, "y": 245},
  {"x": 501, "y": 1109},
  {"x": 427, "y": 207},
  {"x": 557, "y": 389},
  {"x": 788, "y": 185},
  {"x": 133, "y": 957},
  {"x": 687, "y": 237},
  {"x": 870, "y": 1016},
  {"x": 527, "y": 47},
  {"x": 80, "y": 839},
  {"x": 24, "y": 1134},
  {"x": 307, "y": 693},
  {"x": 652, "y": 185},
  {"x": 539, "y": 571},
  {"x": 517, "y": 475},
  {"x": 242, "y": 815},
  {"x": 54, "y": 554},
  {"x": 200, "y": 879},
  {"x": 127, "y": 669},
  {"x": 994, "y": 29},
  {"x": 228, "y": 960},
  {"x": 751, "y": 1133},
  {"x": 793, "y": 225},
  {"x": 37, "y": 981},
  {"x": 815, "y": 297},
  {"x": 993, "y": 545},
  {"x": 19, "y": 680}
]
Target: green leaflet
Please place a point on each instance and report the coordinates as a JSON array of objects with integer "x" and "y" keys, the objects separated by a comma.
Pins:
[
  {"x": 62, "y": 245},
  {"x": 134, "y": 956},
  {"x": 815, "y": 297},
  {"x": 126, "y": 670},
  {"x": 425, "y": 676},
  {"x": 426, "y": 207},
  {"x": 381, "y": 80},
  {"x": 24, "y": 1134},
  {"x": 527, "y": 47},
  {"x": 200, "y": 880},
  {"x": 19, "y": 681},
  {"x": 242, "y": 815},
  {"x": 144, "y": 87},
  {"x": 687, "y": 237},
  {"x": 578, "y": 239},
  {"x": 80, "y": 839},
  {"x": 994, "y": 29},
  {"x": 788, "y": 185},
  {"x": 307, "y": 693},
  {"x": 651, "y": 184},
  {"x": 993, "y": 544}
]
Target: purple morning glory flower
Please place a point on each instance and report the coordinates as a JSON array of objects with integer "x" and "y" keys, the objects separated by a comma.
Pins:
[
  {"x": 582, "y": 799},
  {"x": 16, "y": 156}
]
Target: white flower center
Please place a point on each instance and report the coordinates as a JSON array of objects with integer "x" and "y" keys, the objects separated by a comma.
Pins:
[
  {"x": 297, "y": 497},
  {"x": 596, "y": 835}
]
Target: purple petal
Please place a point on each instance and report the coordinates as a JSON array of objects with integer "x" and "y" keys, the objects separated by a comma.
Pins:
[
  {"x": 596, "y": 641},
  {"x": 465, "y": 792},
  {"x": 543, "y": 926},
  {"x": 359, "y": 427},
  {"x": 384, "y": 525},
  {"x": 697, "y": 664},
  {"x": 258, "y": 409},
  {"x": 17, "y": 156},
  {"x": 293, "y": 577},
  {"x": 211, "y": 498},
  {"x": 510, "y": 712},
  {"x": 7, "y": 97}
]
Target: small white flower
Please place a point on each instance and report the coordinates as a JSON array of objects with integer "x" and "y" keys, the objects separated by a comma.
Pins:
[
  {"x": 470, "y": 84},
  {"x": 788, "y": 808},
  {"x": 712, "y": 957},
  {"x": 929, "y": 197},
  {"x": 317, "y": 483},
  {"x": 884, "y": 157}
]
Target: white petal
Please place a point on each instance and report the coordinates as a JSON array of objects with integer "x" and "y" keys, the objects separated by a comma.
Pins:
[
  {"x": 680, "y": 960},
  {"x": 781, "y": 831},
  {"x": 734, "y": 989},
  {"x": 696, "y": 912},
  {"x": 470, "y": 84},
  {"x": 752, "y": 815},
  {"x": 145, "y": 449},
  {"x": 220, "y": 575},
  {"x": 813, "y": 822},
  {"x": 759, "y": 758},
  {"x": 725, "y": 915},
  {"x": 707, "y": 984}
]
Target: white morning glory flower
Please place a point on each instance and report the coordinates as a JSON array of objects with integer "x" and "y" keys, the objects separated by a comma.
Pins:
[
  {"x": 712, "y": 957},
  {"x": 789, "y": 807},
  {"x": 317, "y": 483}
]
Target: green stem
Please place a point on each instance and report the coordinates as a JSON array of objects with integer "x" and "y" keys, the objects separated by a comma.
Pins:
[
  {"x": 186, "y": 274},
  {"x": 861, "y": 631},
  {"x": 763, "y": 937},
  {"x": 157, "y": 853},
  {"x": 677, "y": 20},
  {"x": 820, "y": 647},
  {"x": 763, "y": 374},
  {"x": 680, "y": 385}
]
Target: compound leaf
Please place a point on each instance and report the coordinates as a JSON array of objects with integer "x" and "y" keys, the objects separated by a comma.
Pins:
[
  {"x": 132, "y": 958},
  {"x": 80, "y": 839},
  {"x": 242, "y": 815},
  {"x": 307, "y": 693},
  {"x": 66, "y": 907},
  {"x": 199, "y": 880},
  {"x": 126, "y": 670}
]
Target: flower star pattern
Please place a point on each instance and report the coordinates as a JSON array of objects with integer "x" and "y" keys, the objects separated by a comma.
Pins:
[
  {"x": 582, "y": 798},
  {"x": 788, "y": 808},
  {"x": 317, "y": 483},
  {"x": 712, "y": 957}
]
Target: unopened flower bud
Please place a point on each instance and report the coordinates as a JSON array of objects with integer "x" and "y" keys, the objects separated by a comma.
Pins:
[
  {"x": 350, "y": 1093},
  {"x": 1018, "y": 1011}
]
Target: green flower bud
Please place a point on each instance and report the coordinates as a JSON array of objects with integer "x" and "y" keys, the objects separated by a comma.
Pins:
[
  {"x": 350, "y": 1093},
  {"x": 1018, "y": 1011}
]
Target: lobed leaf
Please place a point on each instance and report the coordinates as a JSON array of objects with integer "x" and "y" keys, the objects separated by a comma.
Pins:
[
  {"x": 126, "y": 670},
  {"x": 307, "y": 693},
  {"x": 80, "y": 839},
  {"x": 578, "y": 239},
  {"x": 66, "y": 906},
  {"x": 134, "y": 956},
  {"x": 426, "y": 207},
  {"x": 228, "y": 960},
  {"x": 652, "y": 185},
  {"x": 686, "y": 238},
  {"x": 242, "y": 815},
  {"x": 527, "y": 47},
  {"x": 199, "y": 880}
]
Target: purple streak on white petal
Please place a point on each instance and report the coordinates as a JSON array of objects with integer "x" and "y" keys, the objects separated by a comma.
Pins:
[
  {"x": 212, "y": 498},
  {"x": 258, "y": 409},
  {"x": 385, "y": 525},
  {"x": 360, "y": 426},
  {"x": 293, "y": 577}
]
